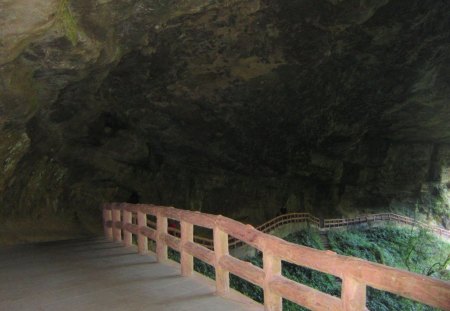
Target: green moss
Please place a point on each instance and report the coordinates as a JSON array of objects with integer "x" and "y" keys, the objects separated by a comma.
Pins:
[{"x": 68, "y": 21}]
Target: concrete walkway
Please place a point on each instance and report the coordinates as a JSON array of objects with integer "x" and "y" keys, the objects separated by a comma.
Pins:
[{"x": 94, "y": 274}]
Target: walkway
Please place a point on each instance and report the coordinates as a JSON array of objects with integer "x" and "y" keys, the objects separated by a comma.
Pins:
[{"x": 94, "y": 274}]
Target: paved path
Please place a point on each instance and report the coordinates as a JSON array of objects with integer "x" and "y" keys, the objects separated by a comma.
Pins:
[{"x": 94, "y": 274}]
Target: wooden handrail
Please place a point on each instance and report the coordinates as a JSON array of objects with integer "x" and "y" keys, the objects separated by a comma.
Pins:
[
  {"x": 342, "y": 222},
  {"x": 293, "y": 218},
  {"x": 355, "y": 273}
]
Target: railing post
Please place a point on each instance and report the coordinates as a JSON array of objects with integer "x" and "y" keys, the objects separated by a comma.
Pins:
[
  {"x": 161, "y": 231},
  {"x": 272, "y": 267},
  {"x": 107, "y": 216},
  {"x": 221, "y": 249},
  {"x": 127, "y": 236},
  {"x": 353, "y": 294},
  {"x": 142, "y": 239},
  {"x": 117, "y": 231},
  {"x": 187, "y": 235}
]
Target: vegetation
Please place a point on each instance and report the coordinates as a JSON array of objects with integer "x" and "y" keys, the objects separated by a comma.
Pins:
[
  {"x": 408, "y": 248},
  {"x": 401, "y": 247},
  {"x": 68, "y": 21},
  {"x": 412, "y": 249}
]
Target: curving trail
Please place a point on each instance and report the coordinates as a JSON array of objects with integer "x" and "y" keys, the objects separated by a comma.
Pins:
[{"x": 298, "y": 218}]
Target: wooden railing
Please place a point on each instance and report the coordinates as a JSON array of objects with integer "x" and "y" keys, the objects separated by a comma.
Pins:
[
  {"x": 343, "y": 222},
  {"x": 356, "y": 274},
  {"x": 294, "y": 218}
]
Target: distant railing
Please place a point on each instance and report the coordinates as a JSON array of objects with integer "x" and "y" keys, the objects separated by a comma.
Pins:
[
  {"x": 293, "y": 218},
  {"x": 356, "y": 274},
  {"x": 343, "y": 222}
]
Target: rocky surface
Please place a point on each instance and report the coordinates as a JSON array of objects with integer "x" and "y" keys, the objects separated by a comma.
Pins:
[{"x": 232, "y": 107}]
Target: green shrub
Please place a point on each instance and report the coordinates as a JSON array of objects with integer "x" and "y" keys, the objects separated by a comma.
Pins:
[{"x": 400, "y": 247}]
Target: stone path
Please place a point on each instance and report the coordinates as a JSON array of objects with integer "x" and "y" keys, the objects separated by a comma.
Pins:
[{"x": 94, "y": 274}]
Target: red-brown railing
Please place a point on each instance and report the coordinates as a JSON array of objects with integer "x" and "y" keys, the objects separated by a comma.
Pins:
[{"x": 356, "y": 274}]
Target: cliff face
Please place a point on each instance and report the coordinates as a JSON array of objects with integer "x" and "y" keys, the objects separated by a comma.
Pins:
[{"x": 232, "y": 107}]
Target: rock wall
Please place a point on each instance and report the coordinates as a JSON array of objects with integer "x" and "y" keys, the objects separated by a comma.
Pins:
[{"x": 233, "y": 107}]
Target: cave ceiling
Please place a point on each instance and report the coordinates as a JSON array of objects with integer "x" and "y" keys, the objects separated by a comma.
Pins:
[{"x": 233, "y": 107}]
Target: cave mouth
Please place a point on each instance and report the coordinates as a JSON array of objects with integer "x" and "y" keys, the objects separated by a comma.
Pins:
[{"x": 335, "y": 108}]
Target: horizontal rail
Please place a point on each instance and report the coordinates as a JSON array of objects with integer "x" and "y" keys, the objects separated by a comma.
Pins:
[
  {"x": 303, "y": 295},
  {"x": 356, "y": 273},
  {"x": 134, "y": 229},
  {"x": 243, "y": 269},
  {"x": 148, "y": 232},
  {"x": 171, "y": 241},
  {"x": 200, "y": 252}
]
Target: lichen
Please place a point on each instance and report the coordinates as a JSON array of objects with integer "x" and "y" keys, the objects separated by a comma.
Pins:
[{"x": 68, "y": 21}]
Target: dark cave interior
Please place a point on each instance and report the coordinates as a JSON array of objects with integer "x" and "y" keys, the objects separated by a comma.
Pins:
[{"x": 240, "y": 108}]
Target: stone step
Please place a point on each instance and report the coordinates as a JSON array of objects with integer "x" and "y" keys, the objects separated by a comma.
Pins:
[{"x": 324, "y": 239}]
